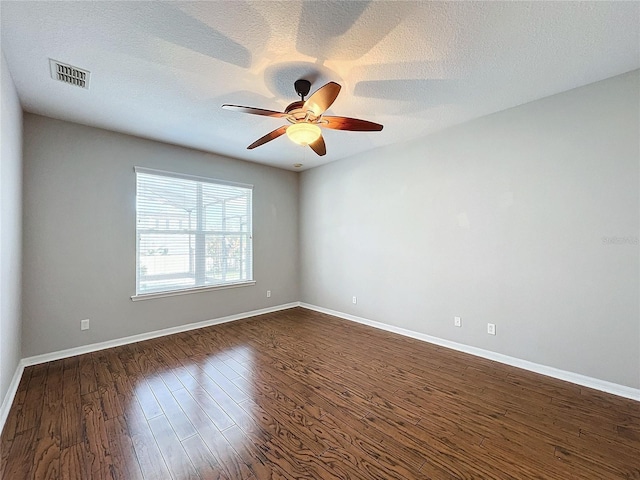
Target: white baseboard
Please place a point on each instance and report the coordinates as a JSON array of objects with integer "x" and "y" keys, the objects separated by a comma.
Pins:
[
  {"x": 11, "y": 393},
  {"x": 94, "y": 347},
  {"x": 583, "y": 380}
]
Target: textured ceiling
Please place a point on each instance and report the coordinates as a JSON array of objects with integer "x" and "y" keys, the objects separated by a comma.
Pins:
[{"x": 161, "y": 70}]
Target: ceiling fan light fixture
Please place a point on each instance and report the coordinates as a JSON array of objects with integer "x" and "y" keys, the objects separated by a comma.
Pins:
[
  {"x": 303, "y": 133},
  {"x": 305, "y": 115}
]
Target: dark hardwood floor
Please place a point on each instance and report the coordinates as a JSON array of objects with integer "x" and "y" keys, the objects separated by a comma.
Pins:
[{"x": 299, "y": 394}]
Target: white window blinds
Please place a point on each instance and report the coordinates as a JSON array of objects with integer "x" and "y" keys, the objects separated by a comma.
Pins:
[{"x": 192, "y": 232}]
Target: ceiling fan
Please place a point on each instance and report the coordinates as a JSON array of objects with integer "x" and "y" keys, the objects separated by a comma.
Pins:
[{"x": 306, "y": 118}]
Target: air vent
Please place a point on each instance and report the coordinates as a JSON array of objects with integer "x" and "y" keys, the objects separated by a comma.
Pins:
[{"x": 69, "y": 74}]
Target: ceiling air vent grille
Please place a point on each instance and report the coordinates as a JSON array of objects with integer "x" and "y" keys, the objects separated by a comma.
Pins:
[{"x": 69, "y": 74}]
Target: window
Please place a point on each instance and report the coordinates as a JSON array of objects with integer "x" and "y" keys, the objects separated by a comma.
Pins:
[{"x": 192, "y": 233}]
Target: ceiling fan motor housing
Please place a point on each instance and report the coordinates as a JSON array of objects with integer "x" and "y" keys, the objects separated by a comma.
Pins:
[{"x": 294, "y": 106}]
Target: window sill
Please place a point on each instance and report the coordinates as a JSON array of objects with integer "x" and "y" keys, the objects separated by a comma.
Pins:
[{"x": 173, "y": 293}]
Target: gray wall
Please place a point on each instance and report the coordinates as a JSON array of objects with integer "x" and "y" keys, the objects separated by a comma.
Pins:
[
  {"x": 528, "y": 218},
  {"x": 79, "y": 236},
  {"x": 10, "y": 228}
]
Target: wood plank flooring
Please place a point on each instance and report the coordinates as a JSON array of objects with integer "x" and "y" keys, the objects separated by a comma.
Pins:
[{"x": 299, "y": 394}]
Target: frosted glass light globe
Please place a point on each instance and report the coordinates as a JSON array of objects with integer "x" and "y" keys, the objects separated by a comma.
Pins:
[{"x": 303, "y": 133}]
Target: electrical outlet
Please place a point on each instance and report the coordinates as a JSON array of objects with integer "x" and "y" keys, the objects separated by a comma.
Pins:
[
  {"x": 354, "y": 300},
  {"x": 268, "y": 293},
  {"x": 491, "y": 328},
  {"x": 84, "y": 324},
  {"x": 457, "y": 321}
]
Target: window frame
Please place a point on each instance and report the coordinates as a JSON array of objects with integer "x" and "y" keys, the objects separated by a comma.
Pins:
[{"x": 198, "y": 288}]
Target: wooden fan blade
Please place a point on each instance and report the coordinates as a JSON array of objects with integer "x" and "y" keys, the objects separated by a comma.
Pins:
[
  {"x": 318, "y": 146},
  {"x": 254, "y": 111},
  {"x": 322, "y": 98},
  {"x": 268, "y": 137},
  {"x": 353, "y": 124}
]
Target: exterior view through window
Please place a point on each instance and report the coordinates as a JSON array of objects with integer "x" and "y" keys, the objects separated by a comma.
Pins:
[{"x": 192, "y": 232}]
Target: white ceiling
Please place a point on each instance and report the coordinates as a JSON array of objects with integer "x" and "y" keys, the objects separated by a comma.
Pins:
[{"x": 161, "y": 70}]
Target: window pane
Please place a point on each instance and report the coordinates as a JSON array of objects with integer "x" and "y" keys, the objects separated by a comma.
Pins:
[
  {"x": 227, "y": 256},
  {"x": 191, "y": 233}
]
